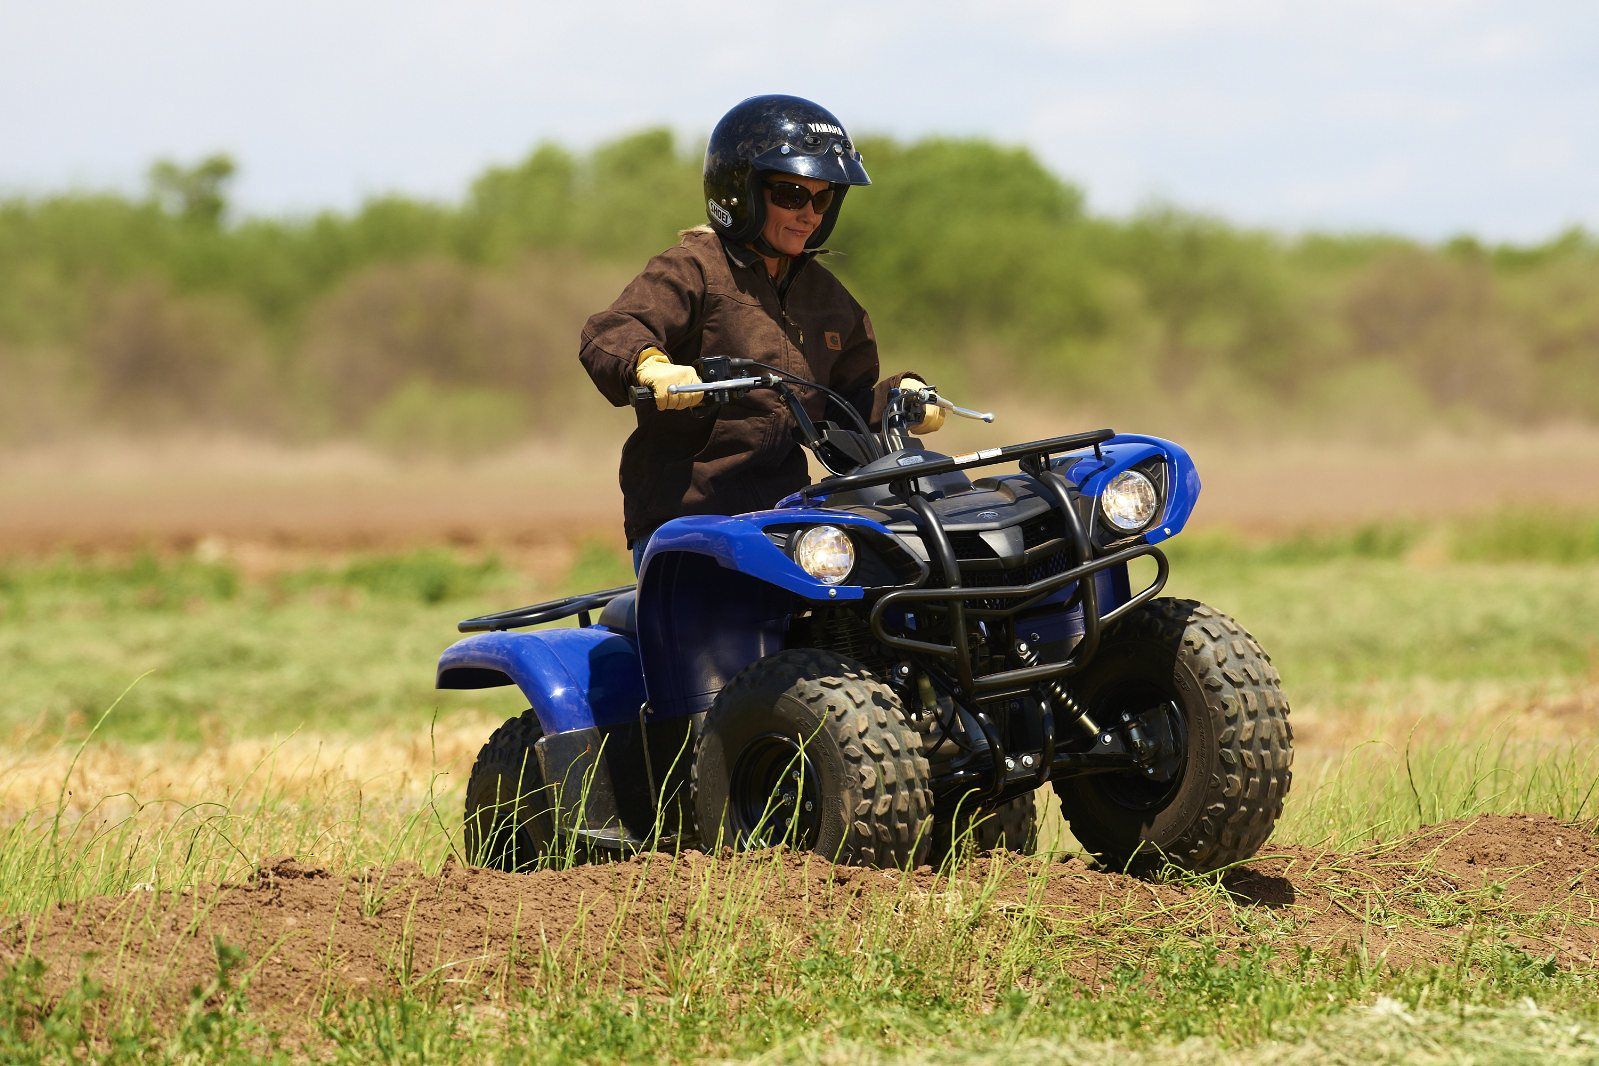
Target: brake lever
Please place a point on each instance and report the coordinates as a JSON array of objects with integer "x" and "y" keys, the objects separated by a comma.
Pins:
[
  {"x": 964, "y": 412},
  {"x": 641, "y": 396}
]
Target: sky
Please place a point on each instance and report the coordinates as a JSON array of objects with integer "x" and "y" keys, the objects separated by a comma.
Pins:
[{"x": 1428, "y": 117}]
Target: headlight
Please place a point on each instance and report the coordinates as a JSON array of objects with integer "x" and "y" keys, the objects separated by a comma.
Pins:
[
  {"x": 1129, "y": 501},
  {"x": 825, "y": 553}
]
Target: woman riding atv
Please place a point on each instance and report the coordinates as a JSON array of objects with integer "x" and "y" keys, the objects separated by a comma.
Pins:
[
  {"x": 745, "y": 286},
  {"x": 883, "y": 668}
]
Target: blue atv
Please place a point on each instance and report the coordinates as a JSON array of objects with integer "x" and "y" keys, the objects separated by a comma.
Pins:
[{"x": 887, "y": 666}]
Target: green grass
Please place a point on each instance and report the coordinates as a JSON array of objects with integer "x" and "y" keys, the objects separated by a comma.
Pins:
[
  {"x": 324, "y": 649},
  {"x": 1562, "y": 538},
  {"x": 1501, "y": 597},
  {"x": 345, "y": 648},
  {"x": 1377, "y": 791}
]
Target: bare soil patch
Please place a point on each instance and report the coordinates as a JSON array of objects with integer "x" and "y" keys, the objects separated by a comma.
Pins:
[
  {"x": 310, "y": 934},
  {"x": 178, "y": 493}
]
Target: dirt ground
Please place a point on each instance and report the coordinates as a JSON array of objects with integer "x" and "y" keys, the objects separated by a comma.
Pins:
[
  {"x": 310, "y": 933},
  {"x": 182, "y": 492}
]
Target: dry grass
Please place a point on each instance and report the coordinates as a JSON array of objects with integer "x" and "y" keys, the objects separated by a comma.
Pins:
[
  {"x": 390, "y": 768},
  {"x": 339, "y": 800}
]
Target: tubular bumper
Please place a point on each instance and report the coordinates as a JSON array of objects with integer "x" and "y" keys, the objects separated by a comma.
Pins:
[{"x": 1025, "y": 596}]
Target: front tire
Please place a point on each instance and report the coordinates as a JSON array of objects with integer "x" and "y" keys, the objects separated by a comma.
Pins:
[
  {"x": 807, "y": 748},
  {"x": 1207, "y": 691}
]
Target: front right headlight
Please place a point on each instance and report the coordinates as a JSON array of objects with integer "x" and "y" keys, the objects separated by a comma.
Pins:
[{"x": 1129, "y": 501}]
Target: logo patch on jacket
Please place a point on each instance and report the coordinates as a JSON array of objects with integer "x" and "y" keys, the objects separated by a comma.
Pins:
[{"x": 833, "y": 340}]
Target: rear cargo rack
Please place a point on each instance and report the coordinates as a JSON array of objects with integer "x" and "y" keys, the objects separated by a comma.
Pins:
[{"x": 549, "y": 611}]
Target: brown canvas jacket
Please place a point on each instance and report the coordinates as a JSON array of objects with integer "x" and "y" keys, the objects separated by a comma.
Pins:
[{"x": 706, "y": 297}]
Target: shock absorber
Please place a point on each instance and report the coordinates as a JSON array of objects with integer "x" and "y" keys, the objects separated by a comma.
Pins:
[{"x": 1059, "y": 693}]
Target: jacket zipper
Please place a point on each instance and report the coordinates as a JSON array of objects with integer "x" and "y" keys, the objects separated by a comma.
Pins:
[{"x": 781, "y": 289}]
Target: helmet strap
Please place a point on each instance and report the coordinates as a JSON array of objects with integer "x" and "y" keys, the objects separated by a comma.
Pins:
[{"x": 763, "y": 247}]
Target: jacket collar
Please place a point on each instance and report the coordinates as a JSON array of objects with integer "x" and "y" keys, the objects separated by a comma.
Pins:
[{"x": 744, "y": 257}]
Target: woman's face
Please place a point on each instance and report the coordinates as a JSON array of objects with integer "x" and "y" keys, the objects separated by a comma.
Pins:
[{"x": 788, "y": 230}]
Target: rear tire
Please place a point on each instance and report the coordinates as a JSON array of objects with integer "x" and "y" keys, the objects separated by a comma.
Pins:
[
  {"x": 1194, "y": 673},
  {"x": 807, "y": 748},
  {"x": 510, "y": 809}
]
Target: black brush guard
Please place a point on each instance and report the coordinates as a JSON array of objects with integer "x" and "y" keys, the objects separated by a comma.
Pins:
[{"x": 1007, "y": 775}]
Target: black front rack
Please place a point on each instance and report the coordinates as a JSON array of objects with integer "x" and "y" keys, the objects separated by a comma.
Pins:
[
  {"x": 987, "y": 457},
  {"x": 1000, "y": 602}
]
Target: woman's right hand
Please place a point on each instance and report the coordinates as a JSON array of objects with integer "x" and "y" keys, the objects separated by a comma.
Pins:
[{"x": 657, "y": 372}]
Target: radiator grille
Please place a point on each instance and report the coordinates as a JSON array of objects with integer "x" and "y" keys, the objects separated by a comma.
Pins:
[{"x": 847, "y": 633}]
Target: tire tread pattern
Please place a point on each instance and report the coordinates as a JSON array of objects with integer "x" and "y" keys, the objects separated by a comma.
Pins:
[
  {"x": 508, "y": 757},
  {"x": 890, "y": 798},
  {"x": 1254, "y": 740}
]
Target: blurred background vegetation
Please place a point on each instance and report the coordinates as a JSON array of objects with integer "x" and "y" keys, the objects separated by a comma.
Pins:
[{"x": 452, "y": 327}]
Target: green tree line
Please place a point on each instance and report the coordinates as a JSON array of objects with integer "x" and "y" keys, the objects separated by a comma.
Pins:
[{"x": 453, "y": 325}]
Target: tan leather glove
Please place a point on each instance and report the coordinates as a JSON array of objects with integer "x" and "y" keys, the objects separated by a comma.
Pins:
[
  {"x": 933, "y": 415},
  {"x": 656, "y": 371}
]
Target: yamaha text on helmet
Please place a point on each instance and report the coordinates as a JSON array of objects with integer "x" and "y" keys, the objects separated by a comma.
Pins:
[{"x": 775, "y": 134}]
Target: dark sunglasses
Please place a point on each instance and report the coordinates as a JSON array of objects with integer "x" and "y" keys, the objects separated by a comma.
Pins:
[{"x": 791, "y": 197}]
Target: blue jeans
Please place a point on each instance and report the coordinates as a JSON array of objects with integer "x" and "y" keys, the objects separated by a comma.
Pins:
[{"x": 638, "y": 554}]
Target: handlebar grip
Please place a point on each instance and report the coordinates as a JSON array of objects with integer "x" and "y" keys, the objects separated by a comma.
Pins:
[{"x": 641, "y": 396}]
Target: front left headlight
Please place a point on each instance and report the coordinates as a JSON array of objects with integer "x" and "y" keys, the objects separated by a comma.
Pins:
[
  {"x": 1129, "y": 501},
  {"x": 826, "y": 553}
]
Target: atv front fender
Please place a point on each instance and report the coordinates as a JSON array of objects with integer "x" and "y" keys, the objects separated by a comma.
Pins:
[
  {"x": 716, "y": 594},
  {"x": 572, "y": 678}
]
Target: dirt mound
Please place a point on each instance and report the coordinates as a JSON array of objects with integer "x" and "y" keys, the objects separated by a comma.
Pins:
[{"x": 308, "y": 934}]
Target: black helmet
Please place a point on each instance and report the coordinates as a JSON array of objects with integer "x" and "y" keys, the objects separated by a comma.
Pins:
[{"x": 774, "y": 133}]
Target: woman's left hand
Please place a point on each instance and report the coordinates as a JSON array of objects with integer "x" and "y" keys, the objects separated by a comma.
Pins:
[{"x": 932, "y": 414}]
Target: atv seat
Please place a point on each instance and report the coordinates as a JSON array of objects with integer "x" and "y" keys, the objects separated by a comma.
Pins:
[{"x": 620, "y": 615}]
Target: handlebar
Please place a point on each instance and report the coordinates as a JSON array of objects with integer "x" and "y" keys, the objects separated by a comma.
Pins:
[
  {"x": 724, "y": 377},
  {"x": 642, "y": 395}
]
